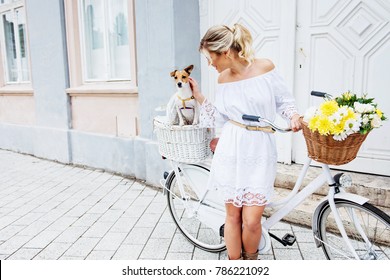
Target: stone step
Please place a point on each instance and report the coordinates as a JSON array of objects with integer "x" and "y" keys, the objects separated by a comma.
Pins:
[
  {"x": 376, "y": 188},
  {"x": 302, "y": 214}
]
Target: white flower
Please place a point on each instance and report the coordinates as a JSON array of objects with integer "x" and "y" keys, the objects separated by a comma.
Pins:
[
  {"x": 343, "y": 111},
  {"x": 358, "y": 116},
  {"x": 310, "y": 112},
  {"x": 336, "y": 117},
  {"x": 376, "y": 121},
  {"x": 351, "y": 126},
  {"x": 363, "y": 108},
  {"x": 358, "y": 107},
  {"x": 365, "y": 119},
  {"x": 340, "y": 137}
]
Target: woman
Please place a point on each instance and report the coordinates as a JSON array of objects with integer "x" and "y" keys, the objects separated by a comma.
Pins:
[{"x": 244, "y": 163}]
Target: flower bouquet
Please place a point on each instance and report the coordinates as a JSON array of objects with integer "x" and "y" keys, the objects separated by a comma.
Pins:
[{"x": 335, "y": 130}]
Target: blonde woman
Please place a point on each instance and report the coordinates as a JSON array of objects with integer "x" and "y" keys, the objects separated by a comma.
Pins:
[{"x": 244, "y": 163}]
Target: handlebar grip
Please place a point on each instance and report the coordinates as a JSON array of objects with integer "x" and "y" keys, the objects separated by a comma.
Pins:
[
  {"x": 318, "y": 93},
  {"x": 250, "y": 118}
]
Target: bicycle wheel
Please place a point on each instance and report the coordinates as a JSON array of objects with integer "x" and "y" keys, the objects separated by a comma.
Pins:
[
  {"x": 198, "y": 221},
  {"x": 367, "y": 227}
]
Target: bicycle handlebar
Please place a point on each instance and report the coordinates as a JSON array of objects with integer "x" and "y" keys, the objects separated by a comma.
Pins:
[
  {"x": 281, "y": 129},
  {"x": 260, "y": 119},
  {"x": 321, "y": 94}
]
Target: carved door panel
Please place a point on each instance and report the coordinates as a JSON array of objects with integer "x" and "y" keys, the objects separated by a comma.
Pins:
[
  {"x": 332, "y": 46},
  {"x": 345, "y": 45}
]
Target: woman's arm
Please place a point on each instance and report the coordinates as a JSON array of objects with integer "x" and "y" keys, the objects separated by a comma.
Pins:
[
  {"x": 209, "y": 114},
  {"x": 285, "y": 103}
]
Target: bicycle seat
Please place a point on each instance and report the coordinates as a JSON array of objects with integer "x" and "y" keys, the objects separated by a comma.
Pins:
[{"x": 213, "y": 144}]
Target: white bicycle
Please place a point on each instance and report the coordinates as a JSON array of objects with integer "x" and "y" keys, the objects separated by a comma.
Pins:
[{"x": 345, "y": 225}]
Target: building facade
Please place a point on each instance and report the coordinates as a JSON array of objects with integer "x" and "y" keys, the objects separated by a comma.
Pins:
[
  {"x": 75, "y": 75},
  {"x": 80, "y": 80}
]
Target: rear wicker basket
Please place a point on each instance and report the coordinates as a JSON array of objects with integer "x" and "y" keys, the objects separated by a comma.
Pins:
[
  {"x": 327, "y": 150},
  {"x": 189, "y": 144}
]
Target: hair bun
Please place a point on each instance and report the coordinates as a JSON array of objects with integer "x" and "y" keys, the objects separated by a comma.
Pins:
[
  {"x": 221, "y": 38},
  {"x": 242, "y": 42}
]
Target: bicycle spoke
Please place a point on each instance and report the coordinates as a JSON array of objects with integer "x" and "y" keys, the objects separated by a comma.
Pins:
[
  {"x": 185, "y": 209},
  {"x": 368, "y": 230}
]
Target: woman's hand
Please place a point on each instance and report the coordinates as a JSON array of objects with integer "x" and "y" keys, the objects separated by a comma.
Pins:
[
  {"x": 295, "y": 123},
  {"x": 195, "y": 91}
]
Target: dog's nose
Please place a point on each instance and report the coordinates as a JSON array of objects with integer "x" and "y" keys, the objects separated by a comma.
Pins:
[{"x": 179, "y": 84}]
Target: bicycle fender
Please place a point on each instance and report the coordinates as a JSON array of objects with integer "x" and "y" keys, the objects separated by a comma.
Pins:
[
  {"x": 339, "y": 196},
  {"x": 352, "y": 197}
]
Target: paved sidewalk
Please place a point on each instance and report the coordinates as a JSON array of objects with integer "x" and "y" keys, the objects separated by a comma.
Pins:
[{"x": 54, "y": 211}]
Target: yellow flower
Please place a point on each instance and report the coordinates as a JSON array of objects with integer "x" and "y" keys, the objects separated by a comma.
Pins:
[
  {"x": 356, "y": 114},
  {"x": 337, "y": 129},
  {"x": 313, "y": 123},
  {"x": 325, "y": 126},
  {"x": 350, "y": 114},
  {"x": 379, "y": 113},
  {"x": 347, "y": 95},
  {"x": 328, "y": 108}
]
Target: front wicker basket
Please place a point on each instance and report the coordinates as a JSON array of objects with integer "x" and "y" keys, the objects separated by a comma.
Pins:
[
  {"x": 189, "y": 144},
  {"x": 327, "y": 150}
]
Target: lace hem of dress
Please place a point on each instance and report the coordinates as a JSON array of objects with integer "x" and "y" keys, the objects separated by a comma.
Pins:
[
  {"x": 244, "y": 196},
  {"x": 248, "y": 199}
]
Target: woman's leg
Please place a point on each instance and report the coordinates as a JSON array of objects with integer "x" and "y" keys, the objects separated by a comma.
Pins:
[
  {"x": 233, "y": 227},
  {"x": 251, "y": 233}
]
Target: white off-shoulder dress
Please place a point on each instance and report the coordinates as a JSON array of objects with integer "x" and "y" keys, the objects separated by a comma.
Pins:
[{"x": 244, "y": 163}]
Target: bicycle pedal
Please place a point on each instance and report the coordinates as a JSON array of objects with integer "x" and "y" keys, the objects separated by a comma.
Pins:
[{"x": 289, "y": 239}]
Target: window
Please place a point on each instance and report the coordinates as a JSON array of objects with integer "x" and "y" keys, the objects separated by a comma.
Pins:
[
  {"x": 105, "y": 42},
  {"x": 13, "y": 42}
]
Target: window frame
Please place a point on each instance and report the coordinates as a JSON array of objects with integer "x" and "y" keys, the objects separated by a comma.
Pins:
[
  {"x": 12, "y": 7},
  {"x": 77, "y": 69}
]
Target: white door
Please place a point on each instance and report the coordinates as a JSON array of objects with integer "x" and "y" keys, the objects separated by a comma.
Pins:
[
  {"x": 345, "y": 45},
  {"x": 272, "y": 25},
  {"x": 331, "y": 46}
]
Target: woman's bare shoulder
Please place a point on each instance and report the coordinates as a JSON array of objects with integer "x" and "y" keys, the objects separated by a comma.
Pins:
[
  {"x": 224, "y": 76},
  {"x": 264, "y": 65}
]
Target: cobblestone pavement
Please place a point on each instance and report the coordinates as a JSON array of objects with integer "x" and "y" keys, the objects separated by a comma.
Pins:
[{"x": 54, "y": 211}]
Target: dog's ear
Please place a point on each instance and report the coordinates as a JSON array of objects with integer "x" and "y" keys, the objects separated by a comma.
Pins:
[
  {"x": 173, "y": 73},
  {"x": 188, "y": 69}
]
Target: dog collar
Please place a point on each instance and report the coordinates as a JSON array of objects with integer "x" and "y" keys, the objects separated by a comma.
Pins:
[{"x": 183, "y": 101}]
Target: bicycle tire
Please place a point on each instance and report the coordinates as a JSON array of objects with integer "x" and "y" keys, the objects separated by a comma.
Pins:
[
  {"x": 196, "y": 232},
  {"x": 374, "y": 222}
]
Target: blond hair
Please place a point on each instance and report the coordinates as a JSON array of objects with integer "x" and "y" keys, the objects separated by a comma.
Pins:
[{"x": 221, "y": 38}]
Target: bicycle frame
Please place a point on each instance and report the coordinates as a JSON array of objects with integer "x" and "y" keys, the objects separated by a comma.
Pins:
[
  {"x": 295, "y": 198},
  {"x": 211, "y": 215}
]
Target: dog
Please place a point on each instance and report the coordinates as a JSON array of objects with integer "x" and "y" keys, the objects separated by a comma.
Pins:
[{"x": 182, "y": 108}]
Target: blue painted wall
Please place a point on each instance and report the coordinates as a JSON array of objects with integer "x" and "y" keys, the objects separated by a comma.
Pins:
[{"x": 49, "y": 72}]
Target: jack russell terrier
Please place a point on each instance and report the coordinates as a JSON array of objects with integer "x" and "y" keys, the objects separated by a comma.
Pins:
[{"x": 182, "y": 108}]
